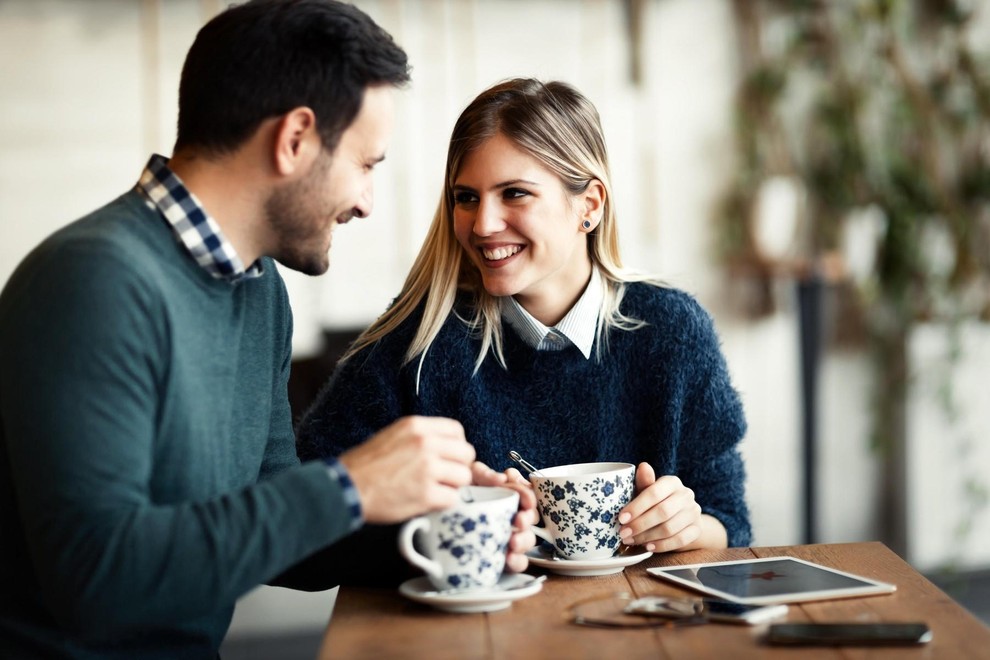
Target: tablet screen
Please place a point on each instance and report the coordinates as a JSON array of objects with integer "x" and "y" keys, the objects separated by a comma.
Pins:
[{"x": 771, "y": 580}]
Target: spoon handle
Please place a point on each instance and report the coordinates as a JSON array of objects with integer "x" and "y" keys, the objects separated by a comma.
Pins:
[{"x": 523, "y": 463}]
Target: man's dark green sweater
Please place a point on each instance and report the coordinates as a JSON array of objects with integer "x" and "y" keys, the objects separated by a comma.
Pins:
[{"x": 148, "y": 476}]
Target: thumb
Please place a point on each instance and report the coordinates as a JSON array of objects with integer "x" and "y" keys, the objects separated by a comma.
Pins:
[{"x": 645, "y": 476}]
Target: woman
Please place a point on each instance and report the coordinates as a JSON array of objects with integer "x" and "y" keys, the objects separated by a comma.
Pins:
[{"x": 519, "y": 320}]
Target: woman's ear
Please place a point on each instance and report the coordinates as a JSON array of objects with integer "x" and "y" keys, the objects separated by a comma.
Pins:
[
  {"x": 592, "y": 205},
  {"x": 297, "y": 143}
]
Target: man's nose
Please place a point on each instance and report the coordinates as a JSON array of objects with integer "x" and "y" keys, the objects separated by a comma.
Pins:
[{"x": 365, "y": 203}]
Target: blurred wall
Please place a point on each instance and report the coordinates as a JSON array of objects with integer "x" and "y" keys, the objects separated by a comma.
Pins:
[{"x": 90, "y": 90}]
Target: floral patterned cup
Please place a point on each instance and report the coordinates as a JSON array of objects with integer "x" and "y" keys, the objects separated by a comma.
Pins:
[
  {"x": 464, "y": 546},
  {"x": 580, "y": 505}
]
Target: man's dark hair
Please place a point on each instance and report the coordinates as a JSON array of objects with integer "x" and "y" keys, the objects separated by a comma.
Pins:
[{"x": 262, "y": 59}]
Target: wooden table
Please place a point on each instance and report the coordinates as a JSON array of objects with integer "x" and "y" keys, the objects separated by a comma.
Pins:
[{"x": 378, "y": 623}]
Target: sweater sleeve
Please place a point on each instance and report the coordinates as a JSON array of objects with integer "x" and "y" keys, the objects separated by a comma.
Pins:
[
  {"x": 84, "y": 353},
  {"x": 711, "y": 425},
  {"x": 364, "y": 395}
]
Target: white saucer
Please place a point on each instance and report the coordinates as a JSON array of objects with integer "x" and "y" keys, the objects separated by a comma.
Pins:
[
  {"x": 583, "y": 567},
  {"x": 422, "y": 590}
]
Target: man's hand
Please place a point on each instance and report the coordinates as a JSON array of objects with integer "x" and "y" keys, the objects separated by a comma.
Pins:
[
  {"x": 413, "y": 466},
  {"x": 523, "y": 539}
]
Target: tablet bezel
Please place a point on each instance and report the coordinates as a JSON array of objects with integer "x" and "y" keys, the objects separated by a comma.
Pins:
[{"x": 868, "y": 587}]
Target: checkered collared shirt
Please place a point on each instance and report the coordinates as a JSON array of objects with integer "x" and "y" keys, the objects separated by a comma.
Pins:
[
  {"x": 195, "y": 229},
  {"x": 201, "y": 236}
]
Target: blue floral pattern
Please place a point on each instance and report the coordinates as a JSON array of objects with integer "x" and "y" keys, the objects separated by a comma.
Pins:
[
  {"x": 471, "y": 543},
  {"x": 468, "y": 544},
  {"x": 581, "y": 513}
]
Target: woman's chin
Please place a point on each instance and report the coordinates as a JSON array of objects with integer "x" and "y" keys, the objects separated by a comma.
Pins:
[{"x": 500, "y": 289}]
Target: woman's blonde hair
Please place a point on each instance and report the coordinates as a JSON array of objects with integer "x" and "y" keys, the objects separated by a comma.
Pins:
[{"x": 558, "y": 126}]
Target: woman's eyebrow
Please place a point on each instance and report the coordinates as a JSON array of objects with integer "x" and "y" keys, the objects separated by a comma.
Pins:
[
  {"x": 514, "y": 182},
  {"x": 498, "y": 186}
]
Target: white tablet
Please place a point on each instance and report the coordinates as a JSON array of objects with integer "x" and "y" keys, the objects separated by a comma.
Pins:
[{"x": 771, "y": 580}]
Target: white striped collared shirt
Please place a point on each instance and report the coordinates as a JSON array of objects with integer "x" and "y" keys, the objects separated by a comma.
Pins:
[{"x": 578, "y": 327}]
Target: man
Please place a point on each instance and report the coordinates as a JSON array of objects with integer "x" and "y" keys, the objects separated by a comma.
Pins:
[{"x": 147, "y": 475}]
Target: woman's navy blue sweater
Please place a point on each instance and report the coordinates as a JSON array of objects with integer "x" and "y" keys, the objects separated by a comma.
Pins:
[{"x": 659, "y": 394}]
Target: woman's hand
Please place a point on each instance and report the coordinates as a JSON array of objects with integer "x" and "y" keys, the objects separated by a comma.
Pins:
[
  {"x": 523, "y": 540},
  {"x": 664, "y": 516}
]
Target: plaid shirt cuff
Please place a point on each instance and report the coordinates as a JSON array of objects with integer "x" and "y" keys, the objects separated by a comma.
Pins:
[{"x": 338, "y": 473}]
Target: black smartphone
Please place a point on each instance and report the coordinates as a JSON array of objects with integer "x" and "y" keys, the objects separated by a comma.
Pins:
[{"x": 851, "y": 634}]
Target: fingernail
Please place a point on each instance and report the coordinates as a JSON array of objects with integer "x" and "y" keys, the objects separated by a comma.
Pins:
[
  {"x": 628, "y": 541},
  {"x": 651, "y": 547},
  {"x": 623, "y": 533},
  {"x": 624, "y": 518}
]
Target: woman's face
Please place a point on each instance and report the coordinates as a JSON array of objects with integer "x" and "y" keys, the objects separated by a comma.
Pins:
[{"x": 522, "y": 229}]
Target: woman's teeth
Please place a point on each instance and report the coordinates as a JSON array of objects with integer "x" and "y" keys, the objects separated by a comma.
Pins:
[{"x": 500, "y": 253}]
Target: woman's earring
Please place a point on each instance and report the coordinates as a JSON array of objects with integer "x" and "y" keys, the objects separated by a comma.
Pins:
[{"x": 587, "y": 224}]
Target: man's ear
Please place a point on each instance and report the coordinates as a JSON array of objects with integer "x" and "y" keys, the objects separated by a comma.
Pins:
[
  {"x": 592, "y": 205},
  {"x": 297, "y": 142}
]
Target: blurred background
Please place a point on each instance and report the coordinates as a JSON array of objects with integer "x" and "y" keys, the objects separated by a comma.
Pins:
[{"x": 816, "y": 173}]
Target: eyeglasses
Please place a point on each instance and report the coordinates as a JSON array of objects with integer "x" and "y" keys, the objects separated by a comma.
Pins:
[{"x": 623, "y": 610}]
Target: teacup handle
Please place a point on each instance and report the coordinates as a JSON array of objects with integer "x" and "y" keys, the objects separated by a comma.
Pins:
[
  {"x": 408, "y": 550},
  {"x": 542, "y": 533}
]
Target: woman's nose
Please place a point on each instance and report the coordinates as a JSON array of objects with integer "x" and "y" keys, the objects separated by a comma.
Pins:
[{"x": 488, "y": 219}]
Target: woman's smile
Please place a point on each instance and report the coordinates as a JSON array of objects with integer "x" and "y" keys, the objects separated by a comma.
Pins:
[{"x": 496, "y": 257}]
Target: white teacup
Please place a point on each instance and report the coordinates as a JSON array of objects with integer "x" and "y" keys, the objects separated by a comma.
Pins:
[
  {"x": 580, "y": 505},
  {"x": 464, "y": 546}
]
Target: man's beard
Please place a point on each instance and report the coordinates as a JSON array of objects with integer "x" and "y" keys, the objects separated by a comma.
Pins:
[{"x": 294, "y": 219}]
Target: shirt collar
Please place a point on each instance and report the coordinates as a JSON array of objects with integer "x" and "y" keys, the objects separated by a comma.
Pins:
[
  {"x": 578, "y": 326},
  {"x": 196, "y": 230}
]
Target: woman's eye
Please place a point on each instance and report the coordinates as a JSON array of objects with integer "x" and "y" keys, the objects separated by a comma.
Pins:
[
  {"x": 514, "y": 193},
  {"x": 462, "y": 197}
]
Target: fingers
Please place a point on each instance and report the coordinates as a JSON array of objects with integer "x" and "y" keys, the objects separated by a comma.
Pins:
[
  {"x": 410, "y": 467},
  {"x": 515, "y": 475},
  {"x": 438, "y": 426},
  {"x": 516, "y": 562},
  {"x": 676, "y": 532},
  {"x": 650, "y": 493},
  {"x": 482, "y": 475},
  {"x": 645, "y": 476},
  {"x": 664, "y": 516},
  {"x": 522, "y": 541},
  {"x": 448, "y": 473},
  {"x": 527, "y": 504},
  {"x": 436, "y": 496}
]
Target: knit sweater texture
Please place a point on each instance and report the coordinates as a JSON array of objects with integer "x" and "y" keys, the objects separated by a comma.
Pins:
[
  {"x": 148, "y": 476},
  {"x": 660, "y": 394}
]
